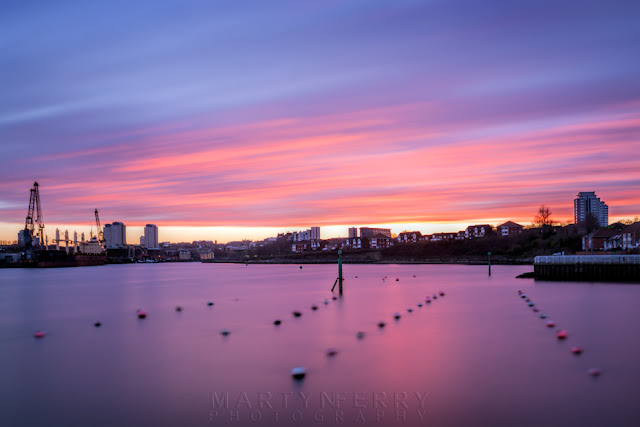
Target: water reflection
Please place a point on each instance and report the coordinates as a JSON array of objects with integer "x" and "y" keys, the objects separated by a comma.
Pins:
[{"x": 478, "y": 355}]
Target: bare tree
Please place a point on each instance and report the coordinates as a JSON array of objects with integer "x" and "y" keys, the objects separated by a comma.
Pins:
[{"x": 543, "y": 217}]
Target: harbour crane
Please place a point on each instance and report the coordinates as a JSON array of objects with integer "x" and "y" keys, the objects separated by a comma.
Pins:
[
  {"x": 100, "y": 233},
  {"x": 34, "y": 216}
]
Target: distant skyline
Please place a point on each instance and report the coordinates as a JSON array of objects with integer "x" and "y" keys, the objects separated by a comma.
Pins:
[{"x": 220, "y": 121}]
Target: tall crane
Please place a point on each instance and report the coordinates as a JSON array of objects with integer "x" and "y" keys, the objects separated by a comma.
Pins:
[
  {"x": 30, "y": 222},
  {"x": 100, "y": 233}
]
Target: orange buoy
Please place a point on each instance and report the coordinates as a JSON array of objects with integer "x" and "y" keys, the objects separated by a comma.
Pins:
[
  {"x": 561, "y": 334},
  {"x": 39, "y": 334}
]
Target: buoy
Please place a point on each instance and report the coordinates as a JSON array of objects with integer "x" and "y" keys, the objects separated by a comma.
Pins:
[
  {"x": 39, "y": 334},
  {"x": 441, "y": 293},
  {"x": 435, "y": 296},
  {"x": 97, "y": 324},
  {"x": 594, "y": 372},
  {"x": 334, "y": 297},
  {"x": 298, "y": 373},
  {"x": 543, "y": 316},
  {"x": 397, "y": 280},
  {"x": 297, "y": 314},
  {"x": 519, "y": 292},
  {"x": 381, "y": 324},
  {"x": 178, "y": 308},
  {"x": 530, "y": 304},
  {"x": 314, "y": 307},
  {"x": 414, "y": 275},
  {"x": 410, "y": 310},
  {"x": 523, "y": 296},
  {"x": 527, "y": 300},
  {"x": 360, "y": 335},
  {"x": 332, "y": 352},
  {"x": 326, "y": 301},
  {"x": 225, "y": 332},
  {"x": 535, "y": 309},
  {"x": 428, "y": 300},
  {"x": 141, "y": 314},
  {"x": 561, "y": 334},
  {"x": 576, "y": 350},
  {"x": 396, "y": 316},
  {"x": 419, "y": 304},
  {"x": 210, "y": 303},
  {"x": 277, "y": 322},
  {"x": 551, "y": 324},
  {"x": 300, "y": 267},
  {"x": 356, "y": 277}
]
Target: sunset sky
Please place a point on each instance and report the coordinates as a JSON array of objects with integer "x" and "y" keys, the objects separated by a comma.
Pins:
[{"x": 223, "y": 120}]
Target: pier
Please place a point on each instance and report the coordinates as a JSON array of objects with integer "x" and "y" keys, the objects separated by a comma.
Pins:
[{"x": 605, "y": 268}]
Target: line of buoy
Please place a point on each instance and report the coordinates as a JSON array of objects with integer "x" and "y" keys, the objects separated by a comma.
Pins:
[
  {"x": 298, "y": 373},
  {"x": 560, "y": 334}
]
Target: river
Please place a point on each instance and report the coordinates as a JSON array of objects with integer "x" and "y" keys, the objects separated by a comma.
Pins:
[{"x": 479, "y": 355}]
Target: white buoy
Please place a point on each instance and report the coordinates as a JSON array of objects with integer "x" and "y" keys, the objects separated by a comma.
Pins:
[
  {"x": 225, "y": 332},
  {"x": 396, "y": 316},
  {"x": 298, "y": 372}
]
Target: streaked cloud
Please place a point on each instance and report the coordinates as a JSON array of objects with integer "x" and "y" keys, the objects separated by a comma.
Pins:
[{"x": 205, "y": 115}]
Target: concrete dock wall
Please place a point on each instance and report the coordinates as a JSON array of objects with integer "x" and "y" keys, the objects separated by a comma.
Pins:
[{"x": 607, "y": 268}]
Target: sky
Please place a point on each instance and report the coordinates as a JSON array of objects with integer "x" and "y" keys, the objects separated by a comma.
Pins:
[{"x": 224, "y": 120}]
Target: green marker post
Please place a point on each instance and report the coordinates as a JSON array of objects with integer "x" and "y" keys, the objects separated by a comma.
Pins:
[{"x": 340, "y": 271}]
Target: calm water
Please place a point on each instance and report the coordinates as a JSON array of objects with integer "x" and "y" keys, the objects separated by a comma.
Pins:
[{"x": 477, "y": 356}]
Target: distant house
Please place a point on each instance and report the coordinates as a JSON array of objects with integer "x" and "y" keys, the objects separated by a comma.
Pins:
[
  {"x": 442, "y": 236},
  {"x": 206, "y": 254},
  {"x": 595, "y": 241},
  {"x": 631, "y": 236},
  {"x": 626, "y": 238},
  {"x": 380, "y": 241},
  {"x": 184, "y": 255},
  {"x": 460, "y": 235},
  {"x": 509, "y": 228},
  {"x": 301, "y": 246},
  {"x": 474, "y": 231},
  {"x": 354, "y": 243},
  {"x": 410, "y": 237}
]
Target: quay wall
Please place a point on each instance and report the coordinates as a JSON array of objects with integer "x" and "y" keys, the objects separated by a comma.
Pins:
[{"x": 607, "y": 268}]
